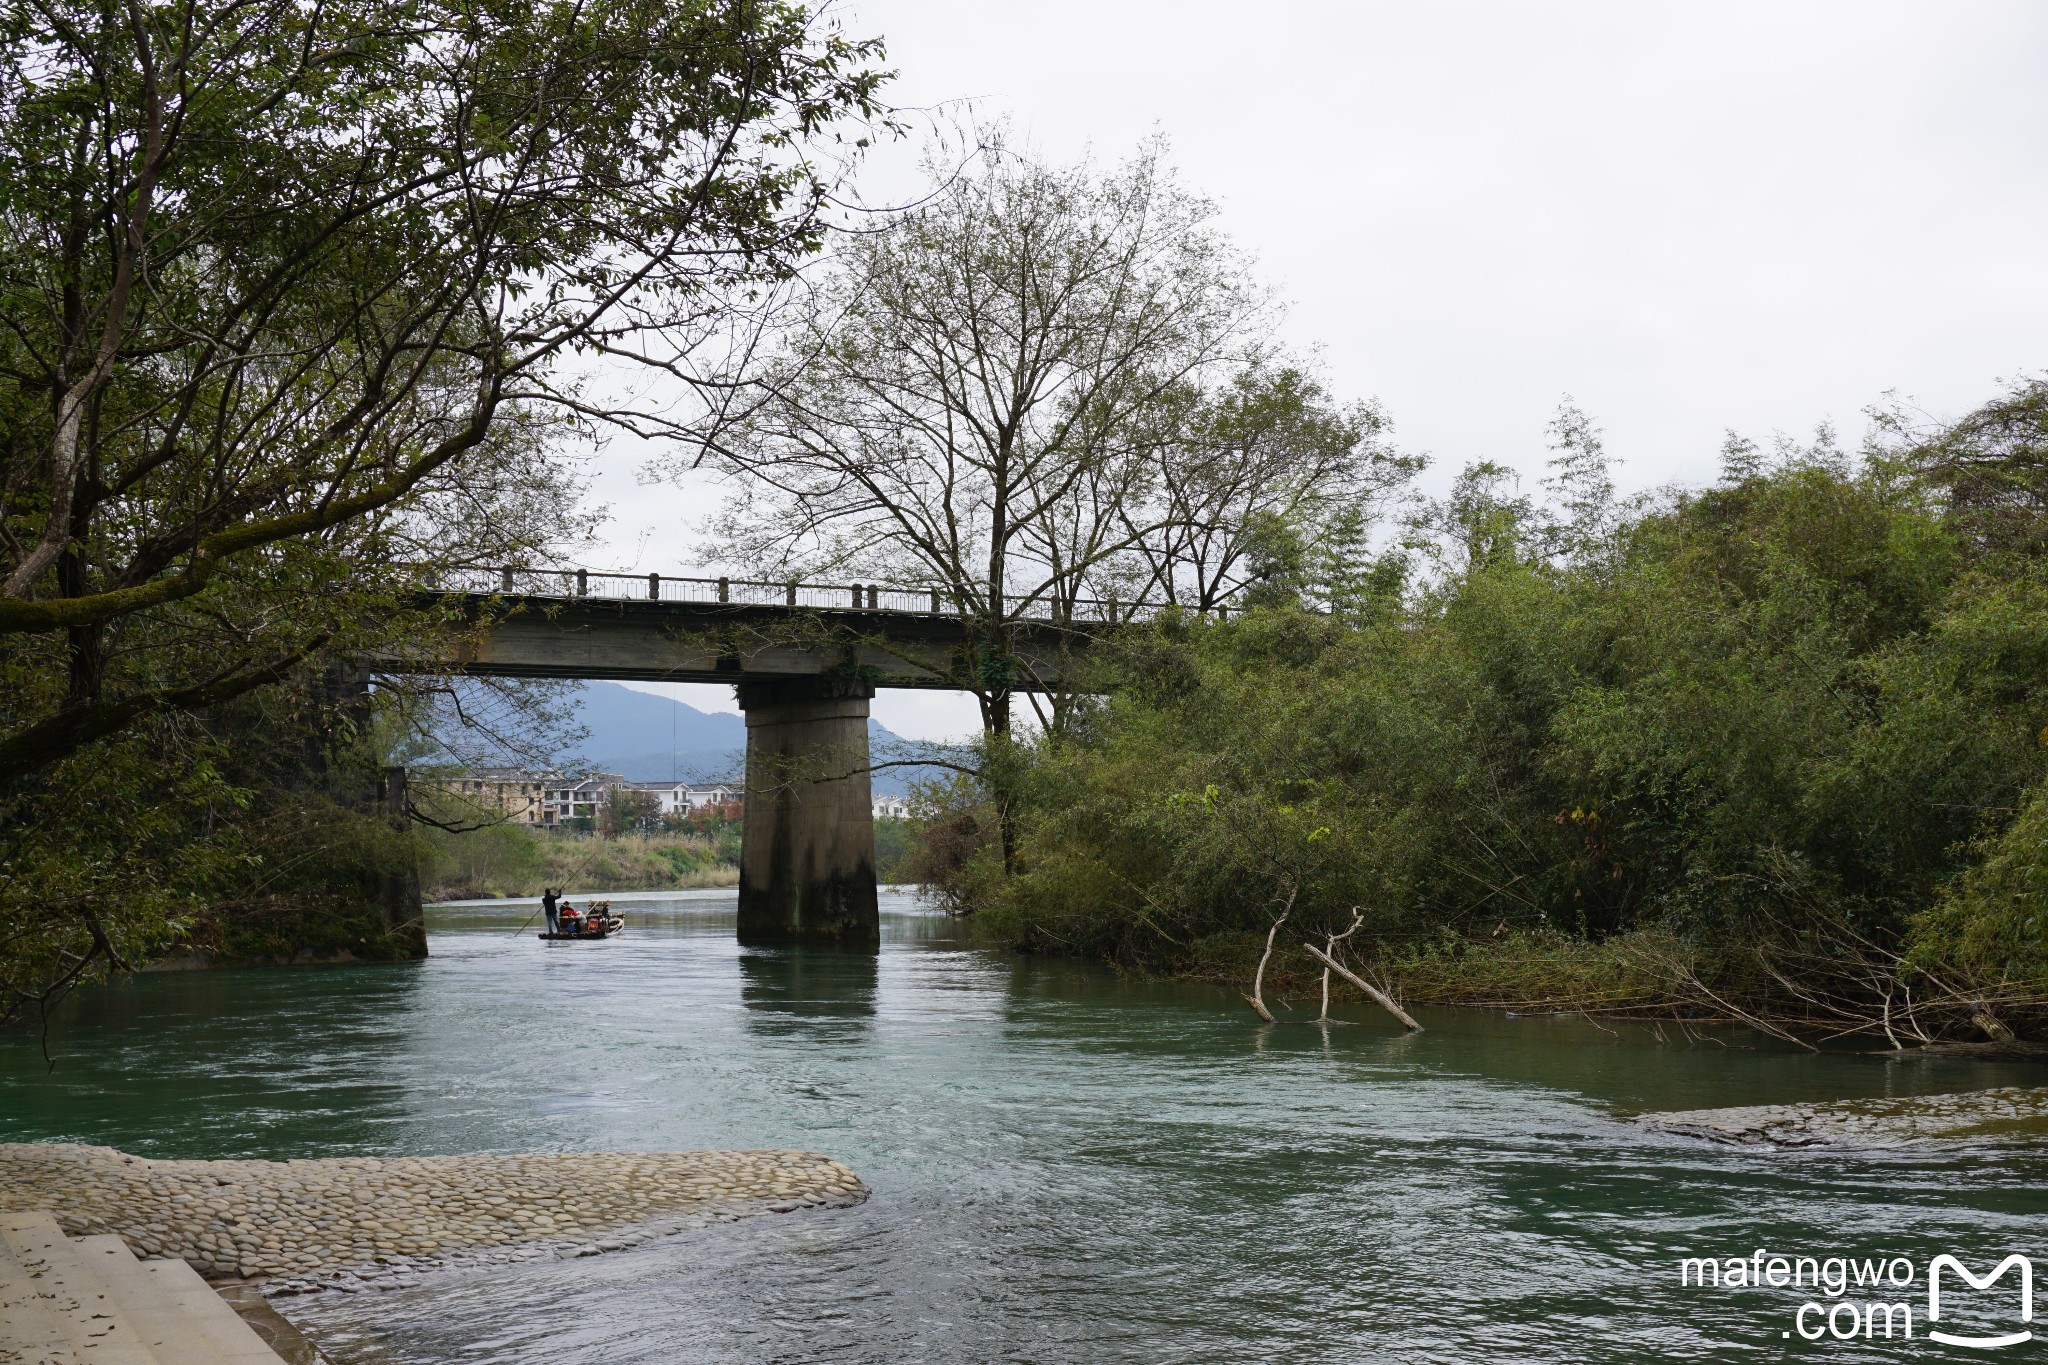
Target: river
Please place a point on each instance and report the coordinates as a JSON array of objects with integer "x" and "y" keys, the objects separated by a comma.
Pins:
[{"x": 1066, "y": 1166}]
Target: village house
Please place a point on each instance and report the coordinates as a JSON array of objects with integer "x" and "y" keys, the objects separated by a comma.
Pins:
[
  {"x": 568, "y": 800},
  {"x": 689, "y": 798},
  {"x": 512, "y": 793},
  {"x": 556, "y": 800}
]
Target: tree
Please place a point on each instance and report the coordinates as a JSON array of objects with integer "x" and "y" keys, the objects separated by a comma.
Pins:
[
  {"x": 1581, "y": 482},
  {"x": 1268, "y": 456},
  {"x": 1345, "y": 573},
  {"x": 1276, "y": 846},
  {"x": 965, "y": 400},
  {"x": 1484, "y": 522},
  {"x": 1989, "y": 469},
  {"x": 289, "y": 292},
  {"x": 627, "y": 811},
  {"x": 297, "y": 301}
]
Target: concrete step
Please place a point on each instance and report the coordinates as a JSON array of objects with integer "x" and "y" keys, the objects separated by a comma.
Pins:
[
  {"x": 179, "y": 1317},
  {"x": 90, "y": 1302},
  {"x": 29, "y": 1331},
  {"x": 97, "y": 1332}
]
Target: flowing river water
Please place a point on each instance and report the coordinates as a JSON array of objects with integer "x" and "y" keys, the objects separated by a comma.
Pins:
[{"x": 1066, "y": 1166}]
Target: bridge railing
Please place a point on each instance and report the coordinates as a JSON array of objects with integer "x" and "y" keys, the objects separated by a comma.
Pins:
[{"x": 866, "y": 597}]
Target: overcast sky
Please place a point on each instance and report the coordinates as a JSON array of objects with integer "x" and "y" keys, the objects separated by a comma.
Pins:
[{"x": 1690, "y": 218}]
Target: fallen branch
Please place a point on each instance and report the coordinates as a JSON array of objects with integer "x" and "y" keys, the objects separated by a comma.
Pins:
[{"x": 1379, "y": 997}]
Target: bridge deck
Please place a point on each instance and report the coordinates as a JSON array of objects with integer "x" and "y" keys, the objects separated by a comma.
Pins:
[
  {"x": 669, "y": 641},
  {"x": 585, "y": 584},
  {"x": 579, "y": 623}
]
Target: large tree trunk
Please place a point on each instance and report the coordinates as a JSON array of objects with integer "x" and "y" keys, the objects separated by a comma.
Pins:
[{"x": 996, "y": 721}]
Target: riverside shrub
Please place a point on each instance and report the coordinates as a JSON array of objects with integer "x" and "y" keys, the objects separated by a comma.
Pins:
[{"x": 1790, "y": 722}]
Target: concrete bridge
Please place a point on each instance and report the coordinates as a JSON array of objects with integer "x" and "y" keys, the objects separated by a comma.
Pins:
[{"x": 805, "y": 659}]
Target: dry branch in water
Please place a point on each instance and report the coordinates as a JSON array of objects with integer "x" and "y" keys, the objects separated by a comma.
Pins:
[
  {"x": 1330, "y": 942},
  {"x": 1378, "y": 996},
  {"x": 1257, "y": 999}
]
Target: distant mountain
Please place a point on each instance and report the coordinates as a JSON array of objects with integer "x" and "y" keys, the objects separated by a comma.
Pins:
[
  {"x": 649, "y": 738},
  {"x": 646, "y": 738}
]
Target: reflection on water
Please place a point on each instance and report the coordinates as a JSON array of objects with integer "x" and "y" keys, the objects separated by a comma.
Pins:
[
  {"x": 1066, "y": 1165},
  {"x": 820, "y": 993}
]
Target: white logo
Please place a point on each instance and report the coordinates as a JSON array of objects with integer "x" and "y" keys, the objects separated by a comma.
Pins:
[{"x": 1984, "y": 1282}]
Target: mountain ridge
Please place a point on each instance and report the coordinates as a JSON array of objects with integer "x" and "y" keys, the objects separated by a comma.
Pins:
[{"x": 646, "y": 737}]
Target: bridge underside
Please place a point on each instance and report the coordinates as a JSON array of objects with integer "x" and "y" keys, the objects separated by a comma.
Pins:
[{"x": 804, "y": 679}]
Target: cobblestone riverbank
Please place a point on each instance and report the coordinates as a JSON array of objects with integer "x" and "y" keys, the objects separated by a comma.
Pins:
[
  {"x": 2011, "y": 1113},
  {"x": 356, "y": 1222}
]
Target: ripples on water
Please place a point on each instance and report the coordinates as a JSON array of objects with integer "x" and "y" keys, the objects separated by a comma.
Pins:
[{"x": 1066, "y": 1167}]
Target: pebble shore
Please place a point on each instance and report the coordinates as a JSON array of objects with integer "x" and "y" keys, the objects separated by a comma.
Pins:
[{"x": 355, "y": 1223}]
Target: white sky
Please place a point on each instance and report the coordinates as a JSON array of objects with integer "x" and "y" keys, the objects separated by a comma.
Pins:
[{"x": 1688, "y": 217}]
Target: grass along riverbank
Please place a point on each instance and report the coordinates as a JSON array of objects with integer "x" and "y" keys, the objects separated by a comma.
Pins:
[
  {"x": 515, "y": 860},
  {"x": 511, "y": 860},
  {"x": 1634, "y": 975},
  {"x": 1646, "y": 974}
]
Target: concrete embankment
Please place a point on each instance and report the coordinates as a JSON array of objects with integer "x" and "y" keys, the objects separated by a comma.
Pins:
[
  {"x": 356, "y": 1222},
  {"x": 2008, "y": 1113}
]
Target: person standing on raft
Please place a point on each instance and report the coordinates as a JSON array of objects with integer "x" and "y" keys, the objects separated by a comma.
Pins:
[{"x": 549, "y": 895}]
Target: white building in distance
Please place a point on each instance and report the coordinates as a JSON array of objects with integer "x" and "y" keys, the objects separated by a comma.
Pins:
[{"x": 686, "y": 798}]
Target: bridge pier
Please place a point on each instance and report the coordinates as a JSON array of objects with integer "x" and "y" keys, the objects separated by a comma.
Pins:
[{"x": 807, "y": 853}]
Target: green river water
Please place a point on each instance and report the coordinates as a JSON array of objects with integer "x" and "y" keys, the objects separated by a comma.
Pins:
[{"x": 1066, "y": 1166}]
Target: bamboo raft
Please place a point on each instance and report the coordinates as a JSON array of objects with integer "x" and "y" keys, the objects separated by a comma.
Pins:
[{"x": 599, "y": 922}]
